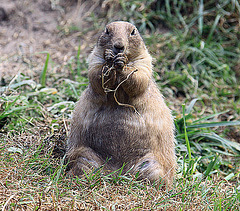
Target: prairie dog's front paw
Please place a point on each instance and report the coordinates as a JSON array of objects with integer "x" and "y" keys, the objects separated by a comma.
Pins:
[
  {"x": 109, "y": 55},
  {"x": 119, "y": 61}
]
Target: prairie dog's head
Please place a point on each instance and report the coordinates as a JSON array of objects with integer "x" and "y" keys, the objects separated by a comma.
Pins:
[{"x": 122, "y": 37}]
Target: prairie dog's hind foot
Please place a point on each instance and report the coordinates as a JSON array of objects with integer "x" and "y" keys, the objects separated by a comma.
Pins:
[
  {"x": 149, "y": 167},
  {"x": 85, "y": 159}
]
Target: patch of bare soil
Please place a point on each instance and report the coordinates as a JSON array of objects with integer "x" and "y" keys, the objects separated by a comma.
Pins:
[{"x": 29, "y": 27}]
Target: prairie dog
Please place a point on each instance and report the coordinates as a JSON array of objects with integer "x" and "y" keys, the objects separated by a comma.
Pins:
[{"x": 121, "y": 116}]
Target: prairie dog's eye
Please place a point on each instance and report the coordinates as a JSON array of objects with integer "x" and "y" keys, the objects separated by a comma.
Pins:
[
  {"x": 106, "y": 31},
  {"x": 133, "y": 32}
]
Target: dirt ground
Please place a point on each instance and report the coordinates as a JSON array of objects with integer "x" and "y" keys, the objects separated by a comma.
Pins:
[{"x": 29, "y": 27}]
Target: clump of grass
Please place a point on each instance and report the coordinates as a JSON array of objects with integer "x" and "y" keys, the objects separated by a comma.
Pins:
[
  {"x": 196, "y": 138},
  {"x": 194, "y": 67},
  {"x": 25, "y": 101}
]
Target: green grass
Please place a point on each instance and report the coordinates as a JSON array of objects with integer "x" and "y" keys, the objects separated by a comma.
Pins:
[
  {"x": 195, "y": 68},
  {"x": 38, "y": 180}
]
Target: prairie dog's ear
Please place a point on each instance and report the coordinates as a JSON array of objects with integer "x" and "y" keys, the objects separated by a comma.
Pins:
[
  {"x": 133, "y": 32},
  {"x": 106, "y": 31}
]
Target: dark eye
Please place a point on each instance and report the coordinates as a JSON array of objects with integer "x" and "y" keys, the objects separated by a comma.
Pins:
[
  {"x": 133, "y": 32},
  {"x": 106, "y": 31}
]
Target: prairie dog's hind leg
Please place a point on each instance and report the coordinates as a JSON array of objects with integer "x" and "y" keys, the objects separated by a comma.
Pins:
[
  {"x": 149, "y": 167},
  {"x": 84, "y": 159}
]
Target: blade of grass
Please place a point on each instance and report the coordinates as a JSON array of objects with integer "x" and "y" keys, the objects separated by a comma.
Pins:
[
  {"x": 9, "y": 106},
  {"x": 185, "y": 133},
  {"x": 189, "y": 108},
  {"x": 78, "y": 61},
  {"x": 213, "y": 28},
  {"x": 30, "y": 83},
  {"x": 44, "y": 72},
  {"x": 60, "y": 169},
  {"x": 168, "y": 8},
  {"x": 223, "y": 141},
  {"x": 210, "y": 116},
  {"x": 210, "y": 166},
  {"x": 200, "y": 19},
  {"x": 14, "y": 110},
  {"x": 214, "y": 124}
]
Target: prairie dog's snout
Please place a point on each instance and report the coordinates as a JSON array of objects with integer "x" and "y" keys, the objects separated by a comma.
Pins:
[{"x": 119, "y": 46}]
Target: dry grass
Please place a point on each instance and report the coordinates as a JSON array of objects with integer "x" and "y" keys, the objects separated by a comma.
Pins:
[
  {"x": 108, "y": 74},
  {"x": 36, "y": 179}
]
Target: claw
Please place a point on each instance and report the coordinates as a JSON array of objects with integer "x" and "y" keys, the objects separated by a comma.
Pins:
[
  {"x": 109, "y": 55},
  {"x": 119, "y": 61}
]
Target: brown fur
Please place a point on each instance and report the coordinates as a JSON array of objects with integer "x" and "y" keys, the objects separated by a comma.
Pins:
[{"x": 139, "y": 133}]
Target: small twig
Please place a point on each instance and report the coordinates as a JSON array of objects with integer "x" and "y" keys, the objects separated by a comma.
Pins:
[
  {"x": 65, "y": 125},
  {"x": 105, "y": 74}
]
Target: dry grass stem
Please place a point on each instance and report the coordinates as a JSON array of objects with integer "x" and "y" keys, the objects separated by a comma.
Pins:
[{"x": 105, "y": 73}]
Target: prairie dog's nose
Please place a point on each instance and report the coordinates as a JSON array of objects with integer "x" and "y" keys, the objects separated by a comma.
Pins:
[{"x": 118, "y": 47}]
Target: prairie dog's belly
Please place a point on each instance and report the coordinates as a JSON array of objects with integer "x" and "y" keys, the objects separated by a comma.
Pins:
[{"x": 117, "y": 133}]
